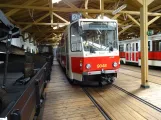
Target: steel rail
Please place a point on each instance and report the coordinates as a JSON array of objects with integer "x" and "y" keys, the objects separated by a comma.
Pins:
[
  {"x": 139, "y": 78},
  {"x": 138, "y": 98},
  {"x": 106, "y": 116},
  {"x": 138, "y": 71}
]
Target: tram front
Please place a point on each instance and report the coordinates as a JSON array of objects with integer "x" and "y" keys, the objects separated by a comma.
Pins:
[{"x": 99, "y": 49}]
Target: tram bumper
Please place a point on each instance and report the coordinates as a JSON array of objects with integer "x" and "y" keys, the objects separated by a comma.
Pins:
[
  {"x": 107, "y": 76},
  {"x": 100, "y": 72}
]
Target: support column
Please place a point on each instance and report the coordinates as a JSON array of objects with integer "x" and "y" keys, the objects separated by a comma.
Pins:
[
  {"x": 51, "y": 12},
  {"x": 144, "y": 44},
  {"x": 102, "y": 8}
]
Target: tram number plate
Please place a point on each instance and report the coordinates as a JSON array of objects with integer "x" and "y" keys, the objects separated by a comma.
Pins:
[{"x": 101, "y": 65}]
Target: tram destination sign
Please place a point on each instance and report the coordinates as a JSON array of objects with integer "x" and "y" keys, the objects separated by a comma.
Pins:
[{"x": 98, "y": 25}]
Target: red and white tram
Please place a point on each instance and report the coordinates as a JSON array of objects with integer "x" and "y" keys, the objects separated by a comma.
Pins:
[
  {"x": 130, "y": 51},
  {"x": 89, "y": 47}
]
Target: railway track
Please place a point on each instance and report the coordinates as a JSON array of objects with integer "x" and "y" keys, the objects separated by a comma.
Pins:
[
  {"x": 139, "y": 71},
  {"x": 152, "y": 75},
  {"x": 138, "y": 98},
  {"x": 104, "y": 113},
  {"x": 106, "y": 116}
]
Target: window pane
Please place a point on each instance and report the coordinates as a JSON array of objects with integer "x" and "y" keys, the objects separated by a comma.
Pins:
[
  {"x": 76, "y": 45},
  {"x": 136, "y": 46}
]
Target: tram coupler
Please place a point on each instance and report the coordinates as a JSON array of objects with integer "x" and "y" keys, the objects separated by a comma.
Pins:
[{"x": 107, "y": 78}]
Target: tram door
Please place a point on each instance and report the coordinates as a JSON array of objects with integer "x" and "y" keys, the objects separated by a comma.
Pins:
[
  {"x": 128, "y": 52},
  {"x": 132, "y": 52}
]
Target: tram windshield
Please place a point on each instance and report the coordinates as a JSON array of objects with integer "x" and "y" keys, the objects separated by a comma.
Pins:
[
  {"x": 95, "y": 36},
  {"x": 99, "y": 36}
]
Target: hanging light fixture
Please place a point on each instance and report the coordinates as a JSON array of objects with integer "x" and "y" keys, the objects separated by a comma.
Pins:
[
  {"x": 119, "y": 9},
  {"x": 56, "y": 1}
]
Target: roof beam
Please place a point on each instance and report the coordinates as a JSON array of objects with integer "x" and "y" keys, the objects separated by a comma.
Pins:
[
  {"x": 36, "y": 21},
  {"x": 149, "y": 2},
  {"x": 133, "y": 19},
  {"x": 153, "y": 20},
  {"x": 61, "y": 18},
  {"x": 116, "y": 16},
  {"x": 123, "y": 30},
  {"x": 8, "y": 14},
  {"x": 55, "y": 39},
  {"x": 151, "y": 10},
  {"x": 140, "y": 2},
  {"x": 73, "y": 9},
  {"x": 155, "y": 8},
  {"x": 14, "y": 22}
]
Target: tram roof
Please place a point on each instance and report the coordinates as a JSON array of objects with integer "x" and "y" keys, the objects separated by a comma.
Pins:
[{"x": 34, "y": 16}]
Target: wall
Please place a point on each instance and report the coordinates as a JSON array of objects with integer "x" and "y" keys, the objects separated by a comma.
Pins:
[{"x": 30, "y": 47}]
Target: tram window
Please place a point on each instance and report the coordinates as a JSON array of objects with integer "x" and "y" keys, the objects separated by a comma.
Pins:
[
  {"x": 156, "y": 45},
  {"x": 76, "y": 45},
  {"x": 66, "y": 40},
  {"x": 136, "y": 46},
  {"x": 121, "y": 48},
  {"x": 133, "y": 48},
  {"x": 149, "y": 45},
  {"x": 126, "y": 47},
  {"x": 159, "y": 46}
]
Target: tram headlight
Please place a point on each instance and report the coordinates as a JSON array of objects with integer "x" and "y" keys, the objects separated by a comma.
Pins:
[
  {"x": 115, "y": 64},
  {"x": 81, "y": 65},
  {"x": 88, "y": 66}
]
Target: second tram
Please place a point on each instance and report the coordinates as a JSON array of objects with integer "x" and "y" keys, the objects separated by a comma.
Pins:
[
  {"x": 130, "y": 51},
  {"x": 89, "y": 49}
]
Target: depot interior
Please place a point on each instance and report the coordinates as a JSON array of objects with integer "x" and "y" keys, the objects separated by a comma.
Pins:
[{"x": 25, "y": 25}]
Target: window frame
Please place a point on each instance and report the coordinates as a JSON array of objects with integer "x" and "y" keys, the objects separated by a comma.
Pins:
[{"x": 71, "y": 39}]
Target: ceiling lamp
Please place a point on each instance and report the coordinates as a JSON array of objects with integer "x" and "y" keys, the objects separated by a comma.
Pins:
[
  {"x": 104, "y": 17},
  {"x": 126, "y": 27},
  {"x": 119, "y": 9},
  {"x": 59, "y": 26},
  {"x": 55, "y": 1}
]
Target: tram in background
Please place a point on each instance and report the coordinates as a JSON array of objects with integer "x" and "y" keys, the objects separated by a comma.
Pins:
[
  {"x": 89, "y": 49},
  {"x": 130, "y": 51}
]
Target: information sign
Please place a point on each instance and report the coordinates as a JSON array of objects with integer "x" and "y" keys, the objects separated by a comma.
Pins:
[{"x": 75, "y": 16}]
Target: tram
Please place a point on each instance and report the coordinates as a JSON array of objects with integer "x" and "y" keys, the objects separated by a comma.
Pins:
[
  {"x": 130, "y": 51},
  {"x": 89, "y": 49}
]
